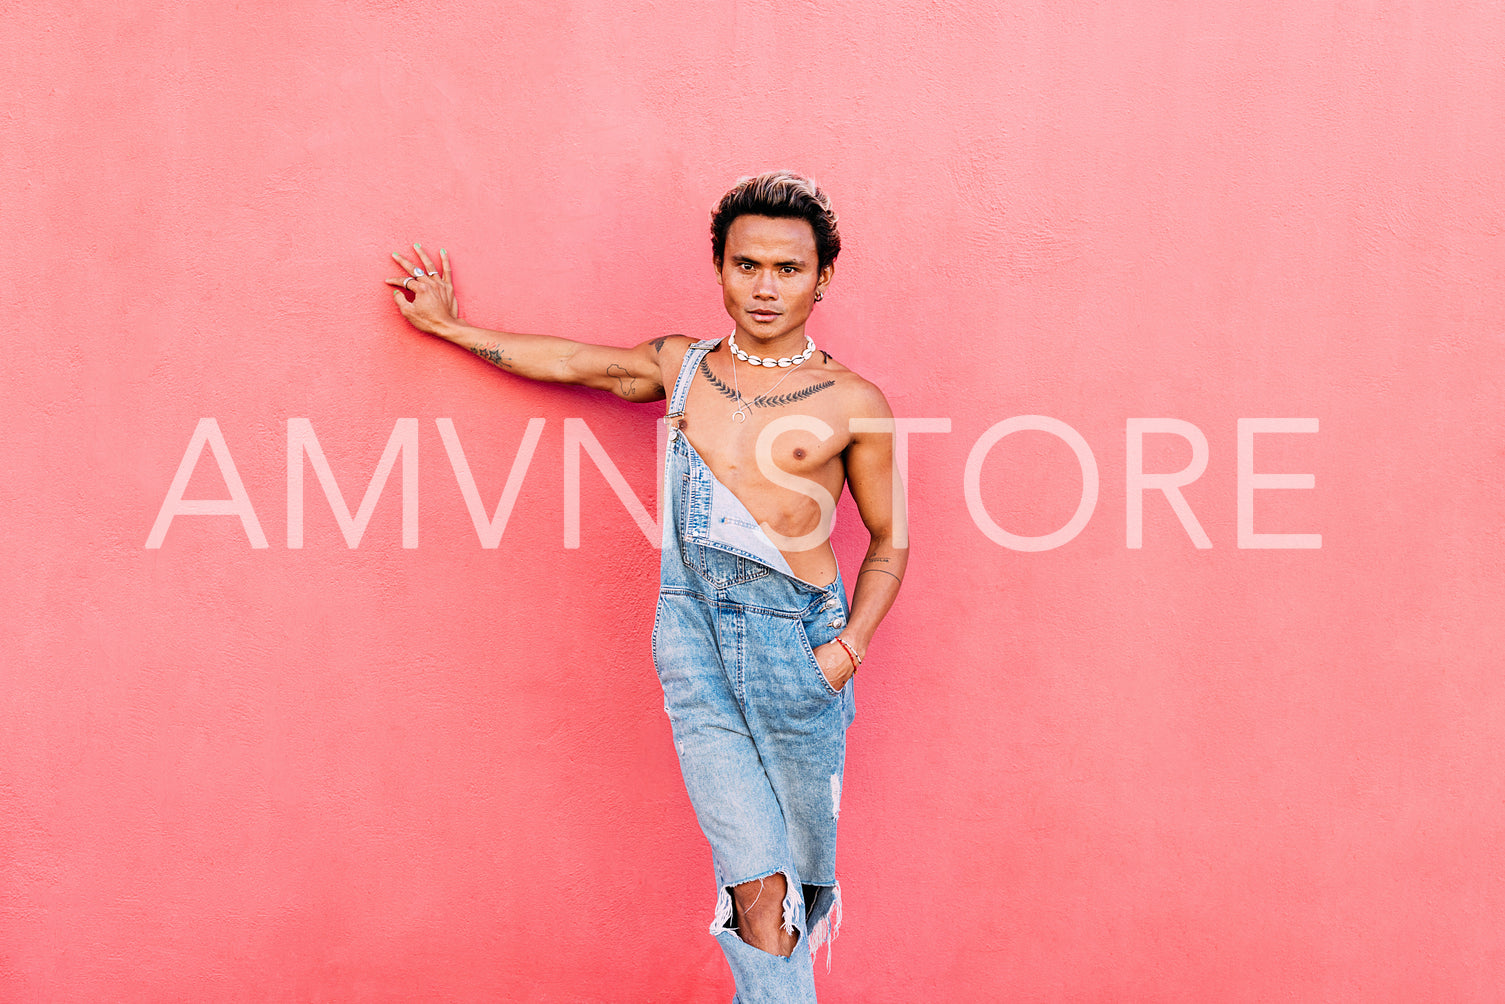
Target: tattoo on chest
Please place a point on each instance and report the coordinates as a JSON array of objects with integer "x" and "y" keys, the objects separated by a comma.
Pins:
[
  {"x": 715, "y": 381},
  {"x": 762, "y": 401},
  {"x": 779, "y": 400},
  {"x": 493, "y": 355}
]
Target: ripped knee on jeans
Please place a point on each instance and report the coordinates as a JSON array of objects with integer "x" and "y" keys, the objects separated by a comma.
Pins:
[{"x": 762, "y": 911}]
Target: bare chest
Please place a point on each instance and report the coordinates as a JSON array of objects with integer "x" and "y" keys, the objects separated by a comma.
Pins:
[{"x": 752, "y": 436}]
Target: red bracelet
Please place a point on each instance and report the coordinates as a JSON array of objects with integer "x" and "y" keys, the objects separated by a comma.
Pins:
[{"x": 850, "y": 654}]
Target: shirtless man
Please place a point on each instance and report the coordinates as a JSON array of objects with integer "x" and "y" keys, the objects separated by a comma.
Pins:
[{"x": 753, "y": 640}]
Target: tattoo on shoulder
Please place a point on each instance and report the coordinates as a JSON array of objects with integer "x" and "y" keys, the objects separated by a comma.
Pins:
[
  {"x": 779, "y": 400},
  {"x": 826, "y": 354},
  {"x": 494, "y": 355},
  {"x": 658, "y": 345},
  {"x": 715, "y": 381}
]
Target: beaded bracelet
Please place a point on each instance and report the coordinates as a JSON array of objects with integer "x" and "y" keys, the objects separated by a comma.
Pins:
[{"x": 851, "y": 654}]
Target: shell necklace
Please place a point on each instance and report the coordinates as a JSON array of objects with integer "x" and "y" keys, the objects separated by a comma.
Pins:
[
  {"x": 791, "y": 364},
  {"x": 785, "y": 362}
]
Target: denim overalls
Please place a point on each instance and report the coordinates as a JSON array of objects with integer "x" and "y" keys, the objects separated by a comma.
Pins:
[{"x": 760, "y": 733}]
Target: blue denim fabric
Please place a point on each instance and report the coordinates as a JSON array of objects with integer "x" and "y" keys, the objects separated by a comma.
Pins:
[{"x": 760, "y": 733}]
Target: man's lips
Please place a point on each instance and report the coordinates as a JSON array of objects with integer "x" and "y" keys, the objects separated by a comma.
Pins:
[{"x": 764, "y": 313}]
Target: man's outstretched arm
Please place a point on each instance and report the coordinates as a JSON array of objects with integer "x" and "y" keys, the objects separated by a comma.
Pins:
[{"x": 632, "y": 374}]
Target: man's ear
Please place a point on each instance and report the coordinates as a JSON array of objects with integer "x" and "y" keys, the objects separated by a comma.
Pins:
[
  {"x": 717, "y": 264},
  {"x": 824, "y": 279}
]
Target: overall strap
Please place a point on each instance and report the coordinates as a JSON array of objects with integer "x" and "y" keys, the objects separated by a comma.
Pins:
[{"x": 693, "y": 355}]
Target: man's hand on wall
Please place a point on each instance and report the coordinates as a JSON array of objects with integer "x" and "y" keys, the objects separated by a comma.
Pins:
[{"x": 433, "y": 301}]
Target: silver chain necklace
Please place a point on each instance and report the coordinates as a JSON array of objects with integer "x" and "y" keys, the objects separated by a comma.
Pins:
[{"x": 740, "y": 415}]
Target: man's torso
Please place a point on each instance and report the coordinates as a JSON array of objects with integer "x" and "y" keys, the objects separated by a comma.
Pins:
[{"x": 812, "y": 406}]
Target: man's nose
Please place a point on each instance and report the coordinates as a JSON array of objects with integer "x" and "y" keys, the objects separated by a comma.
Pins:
[{"x": 765, "y": 288}]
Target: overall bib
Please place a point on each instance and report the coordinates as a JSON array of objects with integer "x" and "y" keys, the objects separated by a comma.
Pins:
[{"x": 761, "y": 735}]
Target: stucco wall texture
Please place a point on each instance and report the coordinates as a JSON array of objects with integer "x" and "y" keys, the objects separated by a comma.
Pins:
[{"x": 1093, "y": 772}]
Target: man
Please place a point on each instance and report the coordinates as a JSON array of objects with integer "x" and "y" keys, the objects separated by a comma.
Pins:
[{"x": 753, "y": 640}]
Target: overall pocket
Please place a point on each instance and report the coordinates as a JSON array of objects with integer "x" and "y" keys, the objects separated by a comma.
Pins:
[{"x": 824, "y": 633}]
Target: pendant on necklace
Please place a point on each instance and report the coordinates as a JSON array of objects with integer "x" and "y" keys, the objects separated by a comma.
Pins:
[{"x": 739, "y": 415}]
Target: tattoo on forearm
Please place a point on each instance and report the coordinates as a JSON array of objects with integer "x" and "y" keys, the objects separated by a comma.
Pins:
[
  {"x": 874, "y": 557},
  {"x": 619, "y": 372},
  {"x": 880, "y": 571},
  {"x": 494, "y": 355}
]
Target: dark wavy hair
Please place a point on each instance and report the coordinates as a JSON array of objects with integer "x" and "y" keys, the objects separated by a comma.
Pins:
[{"x": 781, "y": 195}]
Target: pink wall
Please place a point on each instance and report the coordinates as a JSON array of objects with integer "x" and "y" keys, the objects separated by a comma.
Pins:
[{"x": 1091, "y": 773}]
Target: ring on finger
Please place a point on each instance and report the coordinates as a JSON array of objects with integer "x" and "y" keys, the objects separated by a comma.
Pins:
[
  {"x": 405, "y": 283},
  {"x": 433, "y": 273},
  {"x": 417, "y": 273}
]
